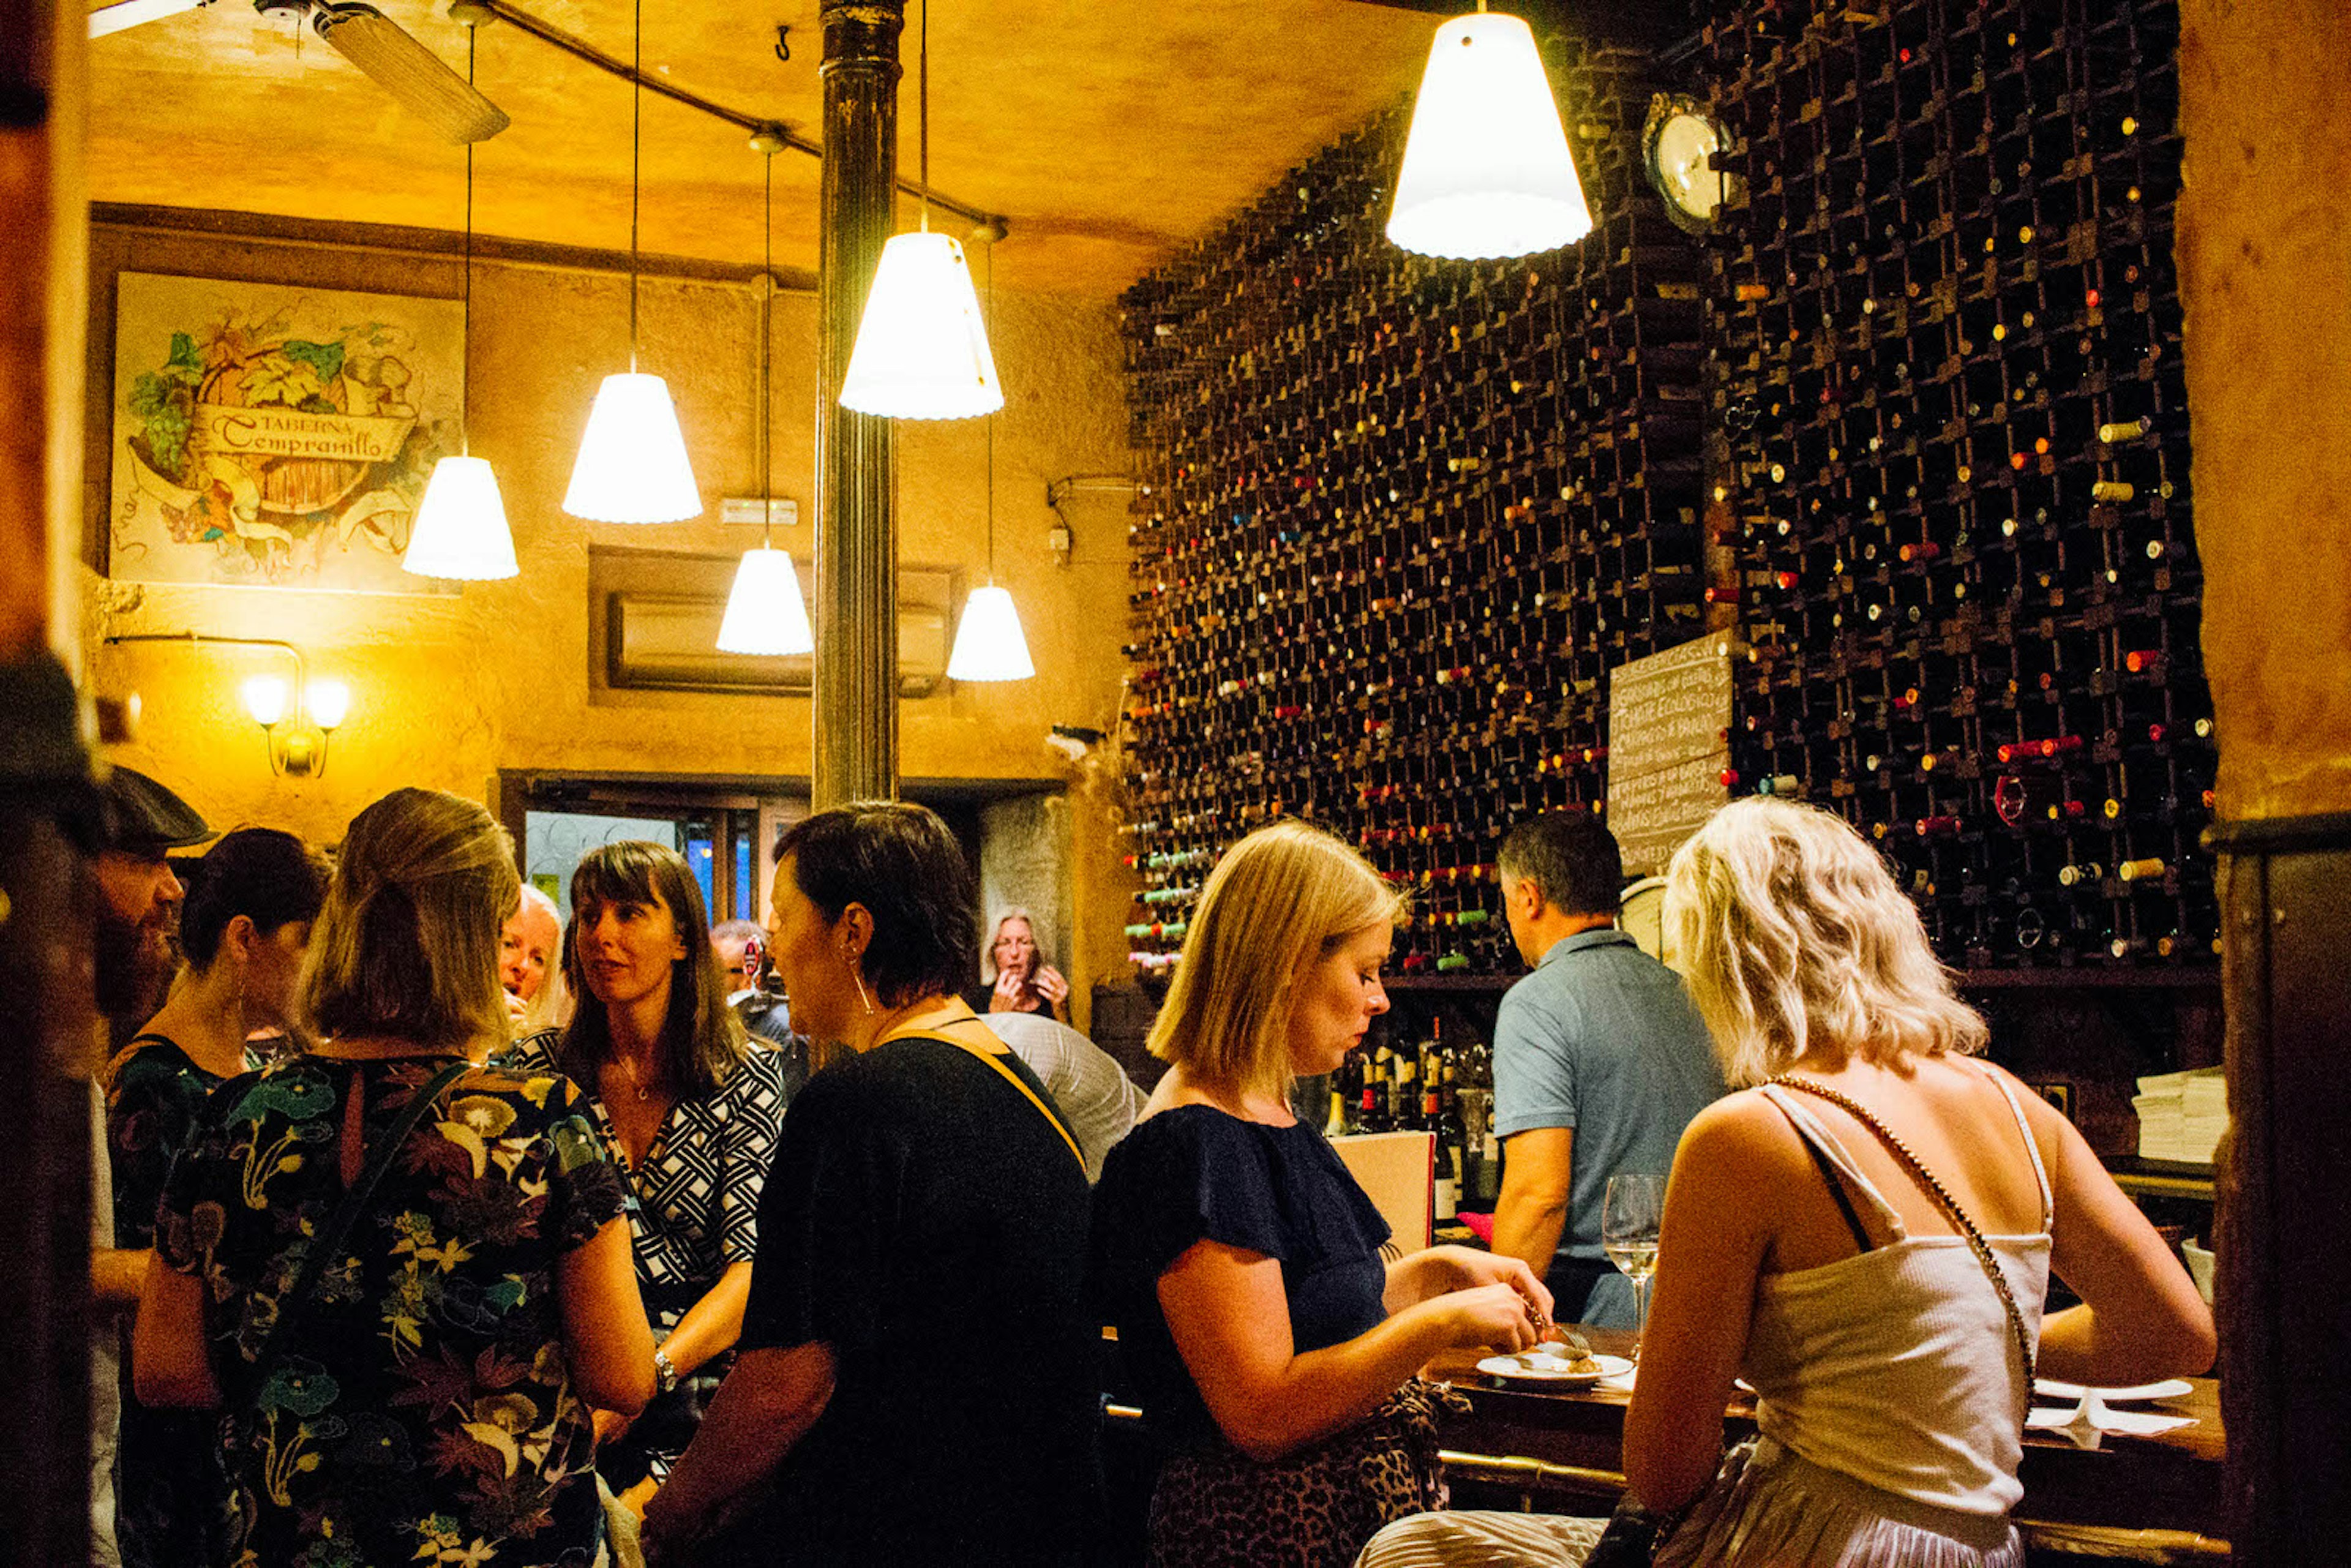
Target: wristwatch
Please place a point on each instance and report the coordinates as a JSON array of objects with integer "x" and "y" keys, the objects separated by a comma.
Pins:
[{"x": 665, "y": 1372}]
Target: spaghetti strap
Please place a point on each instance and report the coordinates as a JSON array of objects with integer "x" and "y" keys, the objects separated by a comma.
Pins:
[
  {"x": 2031, "y": 1147},
  {"x": 1825, "y": 1145}
]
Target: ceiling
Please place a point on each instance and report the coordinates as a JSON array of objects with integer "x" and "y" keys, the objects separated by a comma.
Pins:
[{"x": 1106, "y": 131}]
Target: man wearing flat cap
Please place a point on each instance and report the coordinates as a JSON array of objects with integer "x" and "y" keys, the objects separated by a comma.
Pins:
[{"x": 131, "y": 942}]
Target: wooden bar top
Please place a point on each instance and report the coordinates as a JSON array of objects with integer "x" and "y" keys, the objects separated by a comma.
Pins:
[{"x": 2168, "y": 1482}]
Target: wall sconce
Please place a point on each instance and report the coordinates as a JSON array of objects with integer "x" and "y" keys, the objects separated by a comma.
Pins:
[
  {"x": 309, "y": 712},
  {"x": 302, "y": 749}
]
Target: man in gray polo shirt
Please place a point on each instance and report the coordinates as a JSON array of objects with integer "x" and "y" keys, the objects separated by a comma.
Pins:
[{"x": 1600, "y": 1062}]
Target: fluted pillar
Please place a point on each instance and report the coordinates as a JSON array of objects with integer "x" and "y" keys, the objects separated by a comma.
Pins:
[{"x": 856, "y": 709}]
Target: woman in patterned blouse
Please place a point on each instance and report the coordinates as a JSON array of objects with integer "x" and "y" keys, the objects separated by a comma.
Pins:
[
  {"x": 689, "y": 1108},
  {"x": 426, "y": 1401},
  {"x": 244, "y": 928}
]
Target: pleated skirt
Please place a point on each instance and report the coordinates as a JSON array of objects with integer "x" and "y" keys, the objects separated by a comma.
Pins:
[{"x": 1768, "y": 1508}]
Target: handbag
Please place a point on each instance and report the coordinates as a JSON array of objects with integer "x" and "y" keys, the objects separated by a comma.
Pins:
[
  {"x": 1315, "y": 1508},
  {"x": 297, "y": 1301}
]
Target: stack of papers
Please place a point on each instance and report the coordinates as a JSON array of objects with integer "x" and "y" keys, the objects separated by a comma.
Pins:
[{"x": 2181, "y": 1114}]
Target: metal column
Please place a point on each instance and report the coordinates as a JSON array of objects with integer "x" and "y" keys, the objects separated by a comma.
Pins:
[{"x": 856, "y": 711}]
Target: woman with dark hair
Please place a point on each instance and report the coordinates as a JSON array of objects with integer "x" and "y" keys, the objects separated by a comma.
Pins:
[
  {"x": 244, "y": 925},
  {"x": 404, "y": 1275},
  {"x": 916, "y": 1383},
  {"x": 686, "y": 1106}
]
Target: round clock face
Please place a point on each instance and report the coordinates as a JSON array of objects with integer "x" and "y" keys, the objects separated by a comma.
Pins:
[
  {"x": 1685, "y": 143},
  {"x": 1680, "y": 142}
]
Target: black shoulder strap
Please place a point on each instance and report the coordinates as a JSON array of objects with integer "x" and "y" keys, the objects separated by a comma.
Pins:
[
  {"x": 1836, "y": 1190},
  {"x": 329, "y": 1239}
]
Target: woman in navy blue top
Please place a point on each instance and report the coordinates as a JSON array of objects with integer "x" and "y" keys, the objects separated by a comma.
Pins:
[{"x": 1274, "y": 1346}]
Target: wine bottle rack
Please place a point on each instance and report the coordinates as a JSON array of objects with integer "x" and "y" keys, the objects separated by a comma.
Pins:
[
  {"x": 1954, "y": 435},
  {"x": 1403, "y": 517},
  {"x": 1912, "y": 420}
]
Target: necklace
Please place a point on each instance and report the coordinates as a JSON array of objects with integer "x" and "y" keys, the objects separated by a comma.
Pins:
[{"x": 627, "y": 1069}]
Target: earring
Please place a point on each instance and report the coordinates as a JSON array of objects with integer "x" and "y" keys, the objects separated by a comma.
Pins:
[{"x": 849, "y": 960}]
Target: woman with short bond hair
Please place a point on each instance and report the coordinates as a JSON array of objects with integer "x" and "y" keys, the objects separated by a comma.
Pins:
[{"x": 1275, "y": 1346}]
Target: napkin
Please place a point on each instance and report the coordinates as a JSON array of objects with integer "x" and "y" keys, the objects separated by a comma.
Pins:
[{"x": 2092, "y": 1416}]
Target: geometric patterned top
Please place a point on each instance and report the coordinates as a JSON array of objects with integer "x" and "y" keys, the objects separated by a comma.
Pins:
[{"x": 697, "y": 1191}]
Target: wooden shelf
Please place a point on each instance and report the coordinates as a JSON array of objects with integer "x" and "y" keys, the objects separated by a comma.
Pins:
[
  {"x": 2113, "y": 978},
  {"x": 2162, "y": 1178},
  {"x": 2116, "y": 977}
]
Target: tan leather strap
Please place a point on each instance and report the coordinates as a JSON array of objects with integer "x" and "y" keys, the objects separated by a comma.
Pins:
[
  {"x": 994, "y": 1059},
  {"x": 1942, "y": 1196}
]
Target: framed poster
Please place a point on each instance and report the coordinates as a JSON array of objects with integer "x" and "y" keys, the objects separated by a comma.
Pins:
[{"x": 266, "y": 436}]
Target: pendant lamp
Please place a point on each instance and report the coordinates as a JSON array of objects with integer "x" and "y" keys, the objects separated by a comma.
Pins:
[
  {"x": 922, "y": 348},
  {"x": 632, "y": 467},
  {"x": 988, "y": 645},
  {"x": 460, "y": 530},
  {"x": 1487, "y": 170},
  {"x": 764, "y": 612}
]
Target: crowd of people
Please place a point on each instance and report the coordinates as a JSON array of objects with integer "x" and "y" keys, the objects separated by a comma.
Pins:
[{"x": 451, "y": 1231}]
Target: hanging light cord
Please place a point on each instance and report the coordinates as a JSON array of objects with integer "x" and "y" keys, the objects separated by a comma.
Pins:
[
  {"x": 923, "y": 111},
  {"x": 987, "y": 324},
  {"x": 767, "y": 347},
  {"x": 636, "y": 172},
  {"x": 465, "y": 339}
]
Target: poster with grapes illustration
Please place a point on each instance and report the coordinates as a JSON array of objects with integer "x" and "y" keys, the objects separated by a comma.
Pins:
[{"x": 266, "y": 436}]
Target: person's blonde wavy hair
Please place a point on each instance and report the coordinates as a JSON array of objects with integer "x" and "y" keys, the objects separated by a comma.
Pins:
[
  {"x": 1795, "y": 937},
  {"x": 1278, "y": 902},
  {"x": 406, "y": 945}
]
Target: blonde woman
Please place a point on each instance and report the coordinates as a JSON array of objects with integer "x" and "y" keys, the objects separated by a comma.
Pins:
[
  {"x": 404, "y": 1275},
  {"x": 1016, "y": 978},
  {"x": 1274, "y": 1346},
  {"x": 1800, "y": 1249}
]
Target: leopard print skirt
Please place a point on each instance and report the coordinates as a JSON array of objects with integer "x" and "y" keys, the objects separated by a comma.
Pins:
[{"x": 1316, "y": 1509}]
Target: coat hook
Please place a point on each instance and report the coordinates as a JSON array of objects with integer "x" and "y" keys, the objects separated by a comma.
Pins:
[{"x": 783, "y": 43}]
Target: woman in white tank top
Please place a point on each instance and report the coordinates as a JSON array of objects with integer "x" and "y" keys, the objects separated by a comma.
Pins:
[{"x": 1799, "y": 1248}]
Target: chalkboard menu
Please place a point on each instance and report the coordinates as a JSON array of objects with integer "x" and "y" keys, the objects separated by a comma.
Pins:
[{"x": 1668, "y": 744}]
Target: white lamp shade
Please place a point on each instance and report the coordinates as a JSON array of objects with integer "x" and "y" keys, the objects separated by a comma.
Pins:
[
  {"x": 764, "y": 612},
  {"x": 921, "y": 350},
  {"x": 988, "y": 645},
  {"x": 329, "y": 702},
  {"x": 1486, "y": 167},
  {"x": 266, "y": 697},
  {"x": 632, "y": 467},
  {"x": 460, "y": 528}
]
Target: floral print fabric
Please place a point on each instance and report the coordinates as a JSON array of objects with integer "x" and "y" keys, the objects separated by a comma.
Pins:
[
  {"x": 423, "y": 1412},
  {"x": 168, "y": 1492}
]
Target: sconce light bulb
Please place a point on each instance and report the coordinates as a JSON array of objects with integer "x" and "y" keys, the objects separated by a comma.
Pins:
[
  {"x": 329, "y": 702},
  {"x": 265, "y": 698}
]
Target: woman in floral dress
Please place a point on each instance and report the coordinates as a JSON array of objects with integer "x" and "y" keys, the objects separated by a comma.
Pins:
[
  {"x": 244, "y": 926},
  {"x": 428, "y": 1404}
]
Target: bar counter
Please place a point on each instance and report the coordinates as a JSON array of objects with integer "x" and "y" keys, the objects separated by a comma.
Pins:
[{"x": 2149, "y": 1499}]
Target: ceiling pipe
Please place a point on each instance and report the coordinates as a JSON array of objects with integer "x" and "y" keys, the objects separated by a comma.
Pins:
[{"x": 579, "y": 49}]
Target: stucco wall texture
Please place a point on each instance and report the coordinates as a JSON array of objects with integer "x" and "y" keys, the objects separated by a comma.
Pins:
[
  {"x": 2265, "y": 287},
  {"x": 448, "y": 690}
]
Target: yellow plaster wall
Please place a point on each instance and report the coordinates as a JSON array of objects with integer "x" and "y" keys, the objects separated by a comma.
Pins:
[
  {"x": 448, "y": 690},
  {"x": 2266, "y": 280}
]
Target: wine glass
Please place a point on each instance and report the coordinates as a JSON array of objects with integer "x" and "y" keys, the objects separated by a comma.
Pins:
[{"x": 1629, "y": 1234}]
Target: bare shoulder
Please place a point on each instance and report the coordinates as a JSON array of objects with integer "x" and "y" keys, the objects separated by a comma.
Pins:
[{"x": 1741, "y": 1137}]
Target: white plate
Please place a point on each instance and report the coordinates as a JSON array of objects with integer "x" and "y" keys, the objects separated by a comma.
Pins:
[
  {"x": 2170, "y": 1388},
  {"x": 1533, "y": 1366}
]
